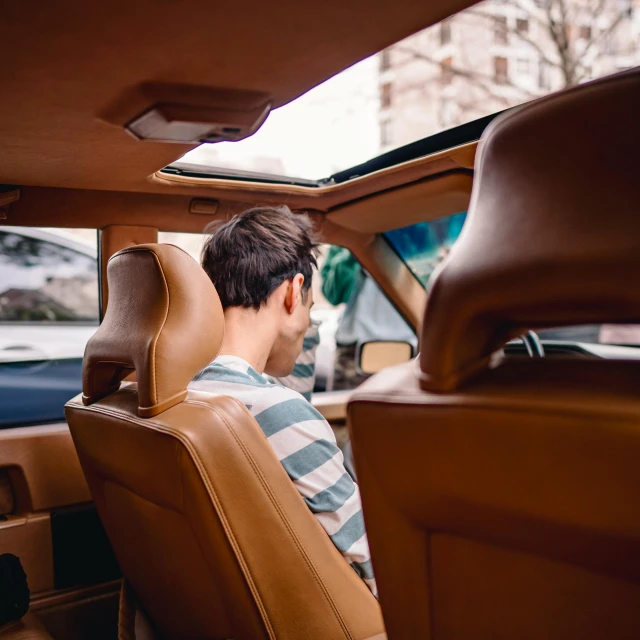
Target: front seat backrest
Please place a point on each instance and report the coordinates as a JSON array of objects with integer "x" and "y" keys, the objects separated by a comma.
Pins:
[
  {"x": 501, "y": 496},
  {"x": 208, "y": 529}
]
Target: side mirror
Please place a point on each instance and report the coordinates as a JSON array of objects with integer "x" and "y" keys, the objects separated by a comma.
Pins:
[{"x": 378, "y": 354}]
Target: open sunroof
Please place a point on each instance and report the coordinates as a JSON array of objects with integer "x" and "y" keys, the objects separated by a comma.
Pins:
[
  {"x": 470, "y": 132},
  {"x": 434, "y": 90}
]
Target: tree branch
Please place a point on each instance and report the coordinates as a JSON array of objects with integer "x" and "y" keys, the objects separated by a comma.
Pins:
[
  {"x": 602, "y": 36},
  {"x": 482, "y": 81},
  {"x": 525, "y": 38}
]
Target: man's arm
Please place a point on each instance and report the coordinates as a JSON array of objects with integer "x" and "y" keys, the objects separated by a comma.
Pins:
[{"x": 306, "y": 447}]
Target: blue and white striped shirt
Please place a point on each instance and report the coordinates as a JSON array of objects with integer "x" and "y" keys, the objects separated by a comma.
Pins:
[{"x": 306, "y": 447}]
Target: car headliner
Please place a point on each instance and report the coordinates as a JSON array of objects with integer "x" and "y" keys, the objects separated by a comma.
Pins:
[{"x": 67, "y": 63}]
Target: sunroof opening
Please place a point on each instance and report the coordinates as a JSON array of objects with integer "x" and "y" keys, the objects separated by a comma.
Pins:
[{"x": 492, "y": 56}]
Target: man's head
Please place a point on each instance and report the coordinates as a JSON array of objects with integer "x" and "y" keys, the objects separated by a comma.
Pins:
[{"x": 262, "y": 261}]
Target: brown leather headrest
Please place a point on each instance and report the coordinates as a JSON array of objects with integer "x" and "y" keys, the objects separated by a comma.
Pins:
[
  {"x": 552, "y": 236},
  {"x": 164, "y": 320}
]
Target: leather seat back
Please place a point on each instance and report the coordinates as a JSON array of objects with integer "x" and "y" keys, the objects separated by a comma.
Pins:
[
  {"x": 27, "y": 628},
  {"x": 208, "y": 529},
  {"x": 509, "y": 487}
]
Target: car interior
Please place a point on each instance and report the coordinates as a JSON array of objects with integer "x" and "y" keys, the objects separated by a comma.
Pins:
[{"x": 496, "y": 459}]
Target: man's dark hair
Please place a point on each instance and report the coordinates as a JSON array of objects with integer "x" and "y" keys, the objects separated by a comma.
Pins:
[{"x": 252, "y": 254}]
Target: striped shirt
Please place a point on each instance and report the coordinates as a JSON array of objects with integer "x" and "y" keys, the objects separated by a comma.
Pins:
[{"x": 306, "y": 447}]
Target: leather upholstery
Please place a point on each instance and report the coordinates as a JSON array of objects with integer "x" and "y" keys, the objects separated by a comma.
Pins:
[
  {"x": 27, "y": 628},
  {"x": 208, "y": 529},
  {"x": 150, "y": 326},
  {"x": 503, "y": 505},
  {"x": 551, "y": 236}
]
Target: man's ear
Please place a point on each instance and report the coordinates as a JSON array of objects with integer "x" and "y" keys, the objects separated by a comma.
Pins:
[{"x": 293, "y": 295}]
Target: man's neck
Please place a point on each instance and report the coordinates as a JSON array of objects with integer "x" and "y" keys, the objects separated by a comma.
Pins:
[{"x": 248, "y": 334}]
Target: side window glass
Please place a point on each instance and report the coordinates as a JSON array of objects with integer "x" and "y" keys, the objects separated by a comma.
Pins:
[
  {"x": 352, "y": 309},
  {"x": 43, "y": 281},
  {"x": 48, "y": 311},
  {"x": 348, "y": 306},
  {"x": 192, "y": 243}
]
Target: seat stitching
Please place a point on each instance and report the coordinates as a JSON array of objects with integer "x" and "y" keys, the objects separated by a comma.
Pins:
[
  {"x": 265, "y": 486},
  {"x": 166, "y": 315},
  {"x": 179, "y": 461},
  {"x": 279, "y": 510},
  {"x": 212, "y": 493}
]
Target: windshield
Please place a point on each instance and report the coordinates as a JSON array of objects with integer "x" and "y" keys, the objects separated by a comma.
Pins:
[
  {"x": 487, "y": 58},
  {"x": 423, "y": 246}
]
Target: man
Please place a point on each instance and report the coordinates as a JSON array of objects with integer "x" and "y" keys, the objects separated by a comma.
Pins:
[{"x": 261, "y": 264}]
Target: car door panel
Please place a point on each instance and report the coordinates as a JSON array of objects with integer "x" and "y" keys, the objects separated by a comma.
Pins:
[{"x": 49, "y": 522}]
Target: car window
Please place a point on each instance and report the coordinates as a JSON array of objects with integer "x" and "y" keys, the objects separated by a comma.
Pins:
[
  {"x": 423, "y": 246},
  {"x": 349, "y": 308},
  {"x": 48, "y": 311},
  {"x": 489, "y": 57},
  {"x": 192, "y": 243},
  {"x": 44, "y": 281},
  {"x": 353, "y": 309}
]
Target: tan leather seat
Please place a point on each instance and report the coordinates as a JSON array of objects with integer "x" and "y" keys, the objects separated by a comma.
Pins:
[
  {"x": 27, "y": 628},
  {"x": 502, "y": 496},
  {"x": 208, "y": 529}
]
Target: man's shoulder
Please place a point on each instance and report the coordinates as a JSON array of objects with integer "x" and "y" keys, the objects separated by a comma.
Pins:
[
  {"x": 258, "y": 393},
  {"x": 278, "y": 408},
  {"x": 221, "y": 373},
  {"x": 286, "y": 399}
]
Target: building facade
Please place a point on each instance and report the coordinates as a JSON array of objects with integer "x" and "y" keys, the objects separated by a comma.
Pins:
[{"x": 498, "y": 54}]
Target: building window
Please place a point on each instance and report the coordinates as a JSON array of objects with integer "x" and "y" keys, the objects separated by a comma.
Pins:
[
  {"x": 584, "y": 32},
  {"x": 386, "y": 137},
  {"x": 544, "y": 80},
  {"x": 385, "y": 95},
  {"x": 445, "y": 32},
  {"x": 500, "y": 30},
  {"x": 522, "y": 26},
  {"x": 523, "y": 67},
  {"x": 500, "y": 70},
  {"x": 446, "y": 70},
  {"x": 385, "y": 60}
]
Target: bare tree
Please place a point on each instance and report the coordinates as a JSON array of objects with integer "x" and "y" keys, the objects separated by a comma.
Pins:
[
  {"x": 568, "y": 36},
  {"x": 570, "y": 27}
]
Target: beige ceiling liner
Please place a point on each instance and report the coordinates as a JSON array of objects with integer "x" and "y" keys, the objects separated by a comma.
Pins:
[{"x": 67, "y": 63}]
